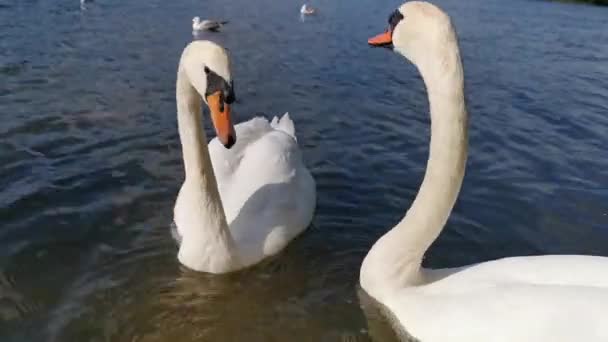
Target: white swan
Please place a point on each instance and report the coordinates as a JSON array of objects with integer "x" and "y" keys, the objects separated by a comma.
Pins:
[
  {"x": 264, "y": 195},
  {"x": 543, "y": 298},
  {"x": 206, "y": 25}
]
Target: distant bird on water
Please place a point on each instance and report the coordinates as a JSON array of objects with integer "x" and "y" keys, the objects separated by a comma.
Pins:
[
  {"x": 206, "y": 25},
  {"x": 83, "y": 3},
  {"x": 307, "y": 10}
]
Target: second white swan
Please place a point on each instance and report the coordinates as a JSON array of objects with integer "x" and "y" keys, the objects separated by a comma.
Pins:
[
  {"x": 544, "y": 298},
  {"x": 248, "y": 193}
]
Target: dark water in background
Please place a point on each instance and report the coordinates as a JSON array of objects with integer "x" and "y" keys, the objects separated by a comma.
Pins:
[{"x": 91, "y": 161}]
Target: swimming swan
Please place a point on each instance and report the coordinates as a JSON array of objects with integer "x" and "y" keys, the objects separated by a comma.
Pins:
[
  {"x": 541, "y": 298},
  {"x": 247, "y": 194}
]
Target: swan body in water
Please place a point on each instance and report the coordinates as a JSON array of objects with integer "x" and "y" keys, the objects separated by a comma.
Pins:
[
  {"x": 538, "y": 298},
  {"x": 247, "y": 193}
]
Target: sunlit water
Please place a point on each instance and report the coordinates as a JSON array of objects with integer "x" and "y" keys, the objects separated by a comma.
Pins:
[{"x": 91, "y": 161}]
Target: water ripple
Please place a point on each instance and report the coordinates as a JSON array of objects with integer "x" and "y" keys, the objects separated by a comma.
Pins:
[{"x": 92, "y": 162}]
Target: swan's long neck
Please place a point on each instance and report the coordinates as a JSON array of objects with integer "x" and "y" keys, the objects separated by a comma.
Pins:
[
  {"x": 395, "y": 260},
  {"x": 199, "y": 215}
]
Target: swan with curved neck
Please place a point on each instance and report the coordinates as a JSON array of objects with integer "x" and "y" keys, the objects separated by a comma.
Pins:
[
  {"x": 542, "y": 298},
  {"x": 242, "y": 199}
]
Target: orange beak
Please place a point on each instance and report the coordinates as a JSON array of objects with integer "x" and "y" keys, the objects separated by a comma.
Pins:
[
  {"x": 383, "y": 39},
  {"x": 220, "y": 115}
]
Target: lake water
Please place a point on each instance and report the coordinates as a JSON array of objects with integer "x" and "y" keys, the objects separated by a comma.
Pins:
[{"x": 91, "y": 161}]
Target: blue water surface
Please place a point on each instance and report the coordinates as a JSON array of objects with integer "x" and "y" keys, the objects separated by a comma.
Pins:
[{"x": 91, "y": 161}]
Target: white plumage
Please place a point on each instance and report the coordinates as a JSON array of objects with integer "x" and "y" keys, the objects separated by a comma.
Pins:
[{"x": 557, "y": 298}]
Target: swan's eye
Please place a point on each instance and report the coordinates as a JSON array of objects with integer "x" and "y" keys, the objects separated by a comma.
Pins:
[
  {"x": 217, "y": 83},
  {"x": 230, "y": 97},
  {"x": 394, "y": 19}
]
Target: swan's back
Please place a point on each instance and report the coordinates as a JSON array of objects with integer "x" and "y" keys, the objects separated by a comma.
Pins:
[
  {"x": 546, "y": 298},
  {"x": 269, "y": 196},
  {"x": 256, "y": 138},
  {"x": 506, "y": 312},
  {"x": 562, "y": 270}
]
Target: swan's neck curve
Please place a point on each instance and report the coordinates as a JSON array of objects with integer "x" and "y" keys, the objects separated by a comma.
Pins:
[
  {"x": 395, "y": 259},
  {"x": 199, "y": 214}
]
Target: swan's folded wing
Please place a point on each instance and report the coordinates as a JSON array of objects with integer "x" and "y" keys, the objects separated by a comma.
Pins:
[
  {"x": 504, "y": 312},
  {"x": 226, "y": 161},
  {"x": 557, "y": 270}
]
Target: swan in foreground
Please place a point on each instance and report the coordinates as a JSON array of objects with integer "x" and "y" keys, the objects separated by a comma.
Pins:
[
  {"x": 247, "y": 194},
  {"x": 541, "y": 298},
  {"x": 206, "y": 25}
]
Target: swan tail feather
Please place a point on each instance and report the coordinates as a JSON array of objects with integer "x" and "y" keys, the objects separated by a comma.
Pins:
[
  {"x": 285, "y": 124},
  {"x": 275, "y": 122}
]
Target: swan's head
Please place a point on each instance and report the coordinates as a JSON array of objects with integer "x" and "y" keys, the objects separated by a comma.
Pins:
[
  {"x": 207, "y": 67},
  {"x": 416, "y": 29},
  {"x": 196, "y": 20}
]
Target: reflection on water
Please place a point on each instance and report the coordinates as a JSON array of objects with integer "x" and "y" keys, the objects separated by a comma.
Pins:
[{"x": 92, "y": 163}]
